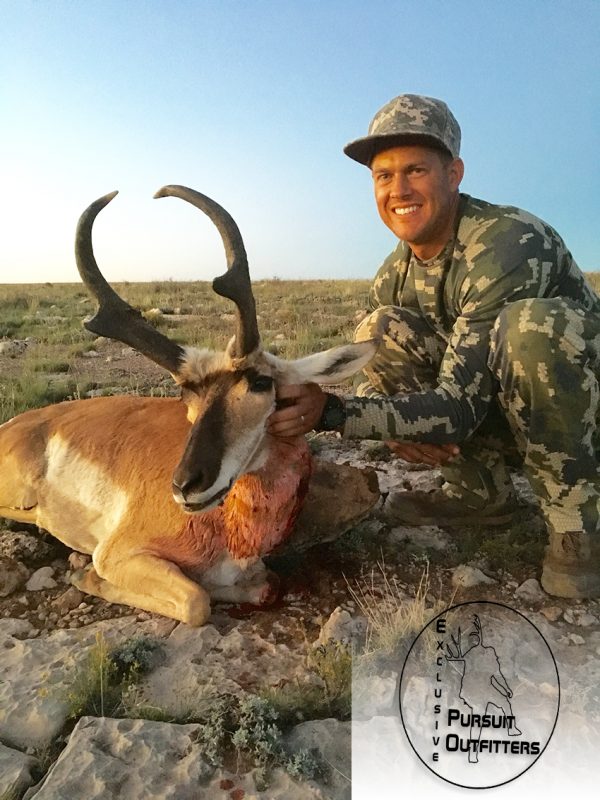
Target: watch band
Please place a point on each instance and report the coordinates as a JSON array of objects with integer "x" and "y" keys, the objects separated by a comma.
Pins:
[{"x": 333, "y": 417}]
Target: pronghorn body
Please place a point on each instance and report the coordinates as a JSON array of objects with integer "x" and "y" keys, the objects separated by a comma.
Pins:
[
  {"x": 174, "y": 499},
  {"x": 105, "y": 490}
]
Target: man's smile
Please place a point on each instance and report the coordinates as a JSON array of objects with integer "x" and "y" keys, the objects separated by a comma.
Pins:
[{"x": 402, "y": 211}]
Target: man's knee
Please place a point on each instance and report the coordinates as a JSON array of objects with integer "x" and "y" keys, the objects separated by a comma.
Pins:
[
  {"x": 391, "y": 322},
  {"x": 532, "y": 335}
]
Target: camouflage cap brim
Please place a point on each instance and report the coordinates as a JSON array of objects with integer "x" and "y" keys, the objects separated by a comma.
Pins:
[{"x": 364, "y": 150}]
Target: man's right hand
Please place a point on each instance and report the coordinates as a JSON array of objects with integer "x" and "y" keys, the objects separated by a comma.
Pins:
[{"x": 435, "y": 455}]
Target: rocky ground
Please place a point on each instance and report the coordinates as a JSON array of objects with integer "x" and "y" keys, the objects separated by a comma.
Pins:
[{"x": 333, "y": 591}]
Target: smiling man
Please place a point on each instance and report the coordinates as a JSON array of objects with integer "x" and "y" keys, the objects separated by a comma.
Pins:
[{"x": 490, "y": 339}]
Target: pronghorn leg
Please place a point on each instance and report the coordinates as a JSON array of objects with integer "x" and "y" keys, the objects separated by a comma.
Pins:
[
  {"x": 162, "y": 588},
  {"x": 26, "y": 515}
]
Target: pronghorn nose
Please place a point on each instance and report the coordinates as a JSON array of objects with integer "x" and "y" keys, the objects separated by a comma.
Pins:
[{"x": 181, "y": 486}]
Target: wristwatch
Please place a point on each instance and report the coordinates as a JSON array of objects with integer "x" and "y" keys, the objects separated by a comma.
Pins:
[{"x": 333, "y": 417}]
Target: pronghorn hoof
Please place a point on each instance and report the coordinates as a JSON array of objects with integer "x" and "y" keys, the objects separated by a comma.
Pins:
[
  {"x": 269, "y": 591},
  {"x": 86, "y": 579}
]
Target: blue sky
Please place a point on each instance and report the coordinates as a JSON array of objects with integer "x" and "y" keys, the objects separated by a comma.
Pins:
[{"x": 251, "y": 103}]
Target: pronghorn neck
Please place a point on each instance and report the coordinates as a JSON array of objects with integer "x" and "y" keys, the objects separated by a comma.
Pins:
[{"x": 260, "y": 509}]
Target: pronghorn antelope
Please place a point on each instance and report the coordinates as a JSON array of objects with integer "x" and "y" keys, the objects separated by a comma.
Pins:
[{"x": 162, "y": 490}]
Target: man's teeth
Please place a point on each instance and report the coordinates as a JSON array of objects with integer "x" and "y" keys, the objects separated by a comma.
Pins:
[{"x": 402, "y": 211}]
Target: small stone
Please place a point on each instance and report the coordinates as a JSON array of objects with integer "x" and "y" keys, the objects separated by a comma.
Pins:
[
  {"x": 466, "y": 576},
  {"x": 90, "y": 354},
  {"x": 341, "y": 628},
  {"x": 552, "y": 613},
  {"x": 428, "y": 537},
  {"x": 41, "y": 579},
  {"x": 585, "y": 619},
  {"x": 13, "y": 575},
  {"x": 575, "y": 638},
  {"x": 531, "y": 591}
]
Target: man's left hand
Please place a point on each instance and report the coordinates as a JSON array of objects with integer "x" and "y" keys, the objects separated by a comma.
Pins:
[{"x": 299, "y": 409}]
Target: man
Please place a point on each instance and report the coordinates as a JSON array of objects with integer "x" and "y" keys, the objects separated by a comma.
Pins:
[{"x": 489, "y": 353}]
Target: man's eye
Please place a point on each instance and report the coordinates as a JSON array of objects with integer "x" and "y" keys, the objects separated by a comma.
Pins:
[{"x": 262, "y": 383}]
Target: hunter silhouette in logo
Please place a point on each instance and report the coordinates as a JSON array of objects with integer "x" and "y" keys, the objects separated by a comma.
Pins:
[{"x": 483, "y": 688}]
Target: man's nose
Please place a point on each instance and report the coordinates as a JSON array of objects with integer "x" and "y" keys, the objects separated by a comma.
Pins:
[{"x": 400, "y": 186}]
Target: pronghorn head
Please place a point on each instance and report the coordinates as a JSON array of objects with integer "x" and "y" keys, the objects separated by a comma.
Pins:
[{"x": 229, "y": 395}]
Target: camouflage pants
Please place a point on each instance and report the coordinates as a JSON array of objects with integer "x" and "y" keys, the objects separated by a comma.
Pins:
[{"x": 545, "y": 356}]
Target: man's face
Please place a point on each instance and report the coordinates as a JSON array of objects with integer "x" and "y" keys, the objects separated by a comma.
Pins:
[{"x": 416, "y": 195}]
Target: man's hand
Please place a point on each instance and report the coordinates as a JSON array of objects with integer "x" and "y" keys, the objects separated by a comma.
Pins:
[
  {"x": 299, "y": 408},
  {"x": 433, "y": 454}
]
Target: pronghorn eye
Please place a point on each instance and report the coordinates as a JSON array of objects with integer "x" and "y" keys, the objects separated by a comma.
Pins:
[{"x": 261, "y": 383}]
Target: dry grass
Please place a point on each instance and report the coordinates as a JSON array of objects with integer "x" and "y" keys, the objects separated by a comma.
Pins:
[
  {"x": 393, "y": 618},
  {"x": 295, "y": 318}
]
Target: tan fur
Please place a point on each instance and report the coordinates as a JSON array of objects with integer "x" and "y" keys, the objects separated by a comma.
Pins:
[
  {"x": 99, "y": 475},
  {"x": 116, "y": 457}
]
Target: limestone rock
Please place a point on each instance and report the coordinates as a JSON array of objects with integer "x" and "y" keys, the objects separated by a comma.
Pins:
[
  {"x": 68, "y": 600},
  {"x": 15, "y": 771},
  {"x": 41, "y": 579},
  {"x": 552, "y": 613},
  {"x": 200, "y": 662},
  {"x": 341, "y": 628},
  {"x": 374, "y": 694},
  {"x": 22, "y": 546},
  {"x": 35, "y": 673},
  {"x": 428, "y": 537},
  {"x": 339, "y": 496},
  {"x": 466, "y": 576},
  {"x": 15, "y": 347},
  {"x": 13, "y": 575},
  {"x": 128, "y": 759},
  {"x": 580, "y": 617},
  {"x": 331, "y": 739},
  {"x": 531, "y": 591}
]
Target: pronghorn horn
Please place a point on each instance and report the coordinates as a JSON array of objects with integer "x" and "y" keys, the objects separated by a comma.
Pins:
[
  {"x": 235, "y": 283},
  {"x": 115, "y": 318}
]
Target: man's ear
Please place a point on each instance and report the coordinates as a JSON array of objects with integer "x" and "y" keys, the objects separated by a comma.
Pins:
[
  {"x": 456, "y": 172},
  {"x": 329, "y": 367}
]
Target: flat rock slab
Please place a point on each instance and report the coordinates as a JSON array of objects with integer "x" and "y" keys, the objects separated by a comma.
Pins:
[
  {"x": 139, "y": 759},
  {"x": 36, "y": 673},
  {"x": 15, "y": 771},
  {"x": 126, "y": 759},
  {"x": 201, "y": 662}
]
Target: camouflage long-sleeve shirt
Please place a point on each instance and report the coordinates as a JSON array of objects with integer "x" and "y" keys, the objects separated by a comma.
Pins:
[{"x": 499, "y": 254}]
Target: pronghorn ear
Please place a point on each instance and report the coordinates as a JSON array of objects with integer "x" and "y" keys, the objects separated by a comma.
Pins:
[{"x": 328, "y": 367}]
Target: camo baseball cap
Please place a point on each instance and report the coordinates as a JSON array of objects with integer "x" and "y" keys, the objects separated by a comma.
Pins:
[{"x": 408, "y": 119}]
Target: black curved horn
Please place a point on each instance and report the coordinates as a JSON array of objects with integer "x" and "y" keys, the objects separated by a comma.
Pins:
[
  {"x": 115, "y": 318},
  {"x": 235, "y": 283}
]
